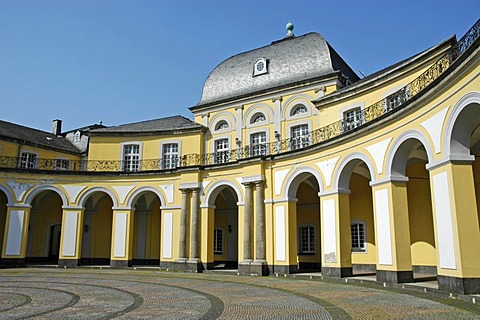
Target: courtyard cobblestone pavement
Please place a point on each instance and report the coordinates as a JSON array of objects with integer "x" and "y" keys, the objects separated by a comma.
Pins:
[{"x": 86, "y": 293}]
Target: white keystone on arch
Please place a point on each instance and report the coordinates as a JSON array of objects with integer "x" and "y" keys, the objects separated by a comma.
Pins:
[
  {"x": 434, "y": 127},
  {"x": 378, "y": 152},
  {"x": 327, "y": 167}
]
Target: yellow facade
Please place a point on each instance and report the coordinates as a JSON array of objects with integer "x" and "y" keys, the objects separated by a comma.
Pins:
[{"x": 379, "y": 175}]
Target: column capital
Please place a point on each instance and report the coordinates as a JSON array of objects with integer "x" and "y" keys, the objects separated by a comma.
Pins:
[
  {"x": 391, "y": 179},
  {"x": 451, "y": 159},
  {"x": 279, "y": 98},
  {"x": 253, "y": 179},
  {"x": 19, "y": 206},
  {"x": 190, "y": 186},
  {"x": 123, "y": 208},
  {"x": 334, "y": 192},
  {"x": 73, "y": 208}
]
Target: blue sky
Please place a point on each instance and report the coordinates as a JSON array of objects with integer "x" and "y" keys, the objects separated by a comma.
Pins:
[{"x": 121, "y": 61}]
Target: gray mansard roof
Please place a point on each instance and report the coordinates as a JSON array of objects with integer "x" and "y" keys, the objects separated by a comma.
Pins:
[
  {"x": 155, "y": 126},
  {"x": 36, "y": 138},
  {"x": 290, "y": 61}
]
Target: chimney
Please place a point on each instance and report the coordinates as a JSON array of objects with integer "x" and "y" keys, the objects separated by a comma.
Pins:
[{"x": 57, "y": 127}]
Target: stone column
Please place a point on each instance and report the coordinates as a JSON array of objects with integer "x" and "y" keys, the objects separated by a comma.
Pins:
[
  {"x": 394, "y": 262},
  {"x": 244, "y": 265},
  {"x": 182, "y": 243},
  {"x": 336, "y": 238},
  {"x": 72, "y": 231},
  {"x": 15, "y": 246},
  {"x": 194, "y": 263},
  {"x": 259, "y": 266},
  {"x": 122, "y": 237},
  {"x": 455, "y": 217}
]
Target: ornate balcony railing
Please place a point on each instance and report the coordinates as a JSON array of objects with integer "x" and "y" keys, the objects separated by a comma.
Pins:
[{"x": 387, "y": 105}]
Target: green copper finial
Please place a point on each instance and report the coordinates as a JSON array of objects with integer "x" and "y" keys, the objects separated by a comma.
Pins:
[{"x": 289, "y": 27}]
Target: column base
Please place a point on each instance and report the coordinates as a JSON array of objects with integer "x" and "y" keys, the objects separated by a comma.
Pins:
[
  {"x": 181, "y": 264},
  {"x": 244, "y": 267},
  {"x": 337, "y": 272},
  {"x": 459, "y": 285},
  {"x": 281, "y": 269},
  {"x": 120, "y": 263},
  {"x": 13, "y": 262},
  {"x": 194, "y": 265},
  {"x": 168, "y": 265},
  {"x": 68, "y": 263},
  {"x": 394, "y": 276},
  {"x": 253, "y": 268},
  {"x": 259, "y": 268}
]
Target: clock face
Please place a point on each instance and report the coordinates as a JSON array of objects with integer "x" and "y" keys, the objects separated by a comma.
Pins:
[{"x": 260, "y": 66}]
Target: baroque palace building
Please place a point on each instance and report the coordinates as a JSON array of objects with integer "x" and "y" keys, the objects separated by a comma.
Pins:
[{"x": 292, "y": 164}]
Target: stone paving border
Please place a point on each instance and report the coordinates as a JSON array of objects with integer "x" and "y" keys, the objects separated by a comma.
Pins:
[{"x": 338, "y": 298}]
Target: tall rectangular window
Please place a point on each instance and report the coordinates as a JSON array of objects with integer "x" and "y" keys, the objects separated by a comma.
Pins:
[
  {"x": 222, "y": 152},
  {"x": 306, "y": 239},
  {"x": 218, "y": 241},
  {"x": 300, "y": 138},
  {"x": 352, "y": 119},
  {"x": 258, "y": 143},
  {"x": 28, "y": 160},
  {"x": 170, "y": 156},
  {"x": 131, "y": 157},
  {"x": 358, "y": 236}
]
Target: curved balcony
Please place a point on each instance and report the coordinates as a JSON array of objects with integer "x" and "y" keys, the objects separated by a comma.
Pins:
[{"x": 385, "y": 106}]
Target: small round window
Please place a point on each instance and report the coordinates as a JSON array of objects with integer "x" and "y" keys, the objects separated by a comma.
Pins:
[{"x": 260, "y": 65}]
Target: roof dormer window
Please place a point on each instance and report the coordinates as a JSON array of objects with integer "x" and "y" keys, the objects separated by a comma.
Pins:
[{"x": 260, "y": 67}]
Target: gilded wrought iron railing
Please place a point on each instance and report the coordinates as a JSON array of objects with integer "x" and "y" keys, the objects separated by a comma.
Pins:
[{"x": 390, "y": 103}]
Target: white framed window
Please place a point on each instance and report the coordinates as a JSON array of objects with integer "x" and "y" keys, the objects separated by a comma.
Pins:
[
  {"x": 218, "y": 241},
  {"x": 222, "y": 151},
  {"x": 299, "y": 137},
  {"x": 28, "y": 160},
  {"x": 352, "y": 118},
  {"x": 258, "y": 143},
  {"x": 260, "y": 67},
  {"x": 131, "y": 157},
  {"x": 170, "y": 155},
  {"x": 62, "y": 164},
  {"x": 306, "y": 239},
  {"x": 359, "y": 235}
]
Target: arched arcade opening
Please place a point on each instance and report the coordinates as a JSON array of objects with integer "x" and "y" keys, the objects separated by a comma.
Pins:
[
  {"x": 44, "y": 228},
  {"x": 224, "y": 244},
  {"x": 146, "y": 229},
  {"x": 3, "y": 216},
  {"x": 97, "y": 229},
  {"x": 306, "y": 228}
]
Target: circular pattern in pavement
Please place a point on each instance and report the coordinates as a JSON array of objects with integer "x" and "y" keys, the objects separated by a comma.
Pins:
[{"x": 82, "y": 293}]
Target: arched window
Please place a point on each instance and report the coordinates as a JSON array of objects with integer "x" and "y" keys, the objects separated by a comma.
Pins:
[
  {"x": 257, "y": 118},
  {"x": 299, "y": 109},
  {"x": 221, "y": 125}
]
